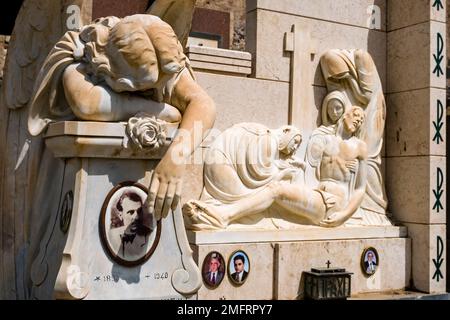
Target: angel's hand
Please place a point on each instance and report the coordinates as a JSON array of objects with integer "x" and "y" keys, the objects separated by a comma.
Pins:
[{"x": 165, "y": 188}]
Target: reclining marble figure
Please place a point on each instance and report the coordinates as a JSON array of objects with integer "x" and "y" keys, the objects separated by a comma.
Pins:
[{"x": 332, "y": 202}]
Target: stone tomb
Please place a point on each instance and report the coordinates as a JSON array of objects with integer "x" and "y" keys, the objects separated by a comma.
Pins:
[
  {"x": 277, "y": 82},
  {"x": 289, "y": 71},
  {"x": 278, "y": 259},
  {"x": 96, "y": 161}
]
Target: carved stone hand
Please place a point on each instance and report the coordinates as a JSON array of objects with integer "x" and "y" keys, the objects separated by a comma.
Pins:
[
  {"x": 334, "y": 220},
  {"x": 352, "y": 165},
  {"x": 165, "y": 188},
  {"x": 295, "y": 162}
]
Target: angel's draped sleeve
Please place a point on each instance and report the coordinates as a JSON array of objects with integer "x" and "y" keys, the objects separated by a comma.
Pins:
[{"x": 48, "y": 102}]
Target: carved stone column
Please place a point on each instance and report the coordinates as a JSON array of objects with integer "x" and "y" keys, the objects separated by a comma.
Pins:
[{"x": 416, "y": 140}]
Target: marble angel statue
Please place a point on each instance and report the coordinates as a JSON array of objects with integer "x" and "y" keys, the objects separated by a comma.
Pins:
[
  {"x": 116, "y": 68},
  {"x": 108, "y": 70}
]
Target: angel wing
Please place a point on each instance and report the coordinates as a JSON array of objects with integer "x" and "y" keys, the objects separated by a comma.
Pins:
[
  {"x": 177, "y": 13},
  {"x": 39, "y": 25}
]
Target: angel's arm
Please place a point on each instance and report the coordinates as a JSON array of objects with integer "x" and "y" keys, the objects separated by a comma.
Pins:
[
  {"x": 100, "y": 103},
  {"x": 199, "y": 112}
]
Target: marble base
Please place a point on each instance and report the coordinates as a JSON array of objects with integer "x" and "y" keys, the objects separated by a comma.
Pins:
[
  {"x": 72, "y": 261},
  {"x": 236, "y": 63},
  {"x": 278, "y": 259},
  {"x": 308, "y": 233}
]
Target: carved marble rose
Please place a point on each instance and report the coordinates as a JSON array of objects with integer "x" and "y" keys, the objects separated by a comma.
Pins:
[{"x": 147, "y": 132}]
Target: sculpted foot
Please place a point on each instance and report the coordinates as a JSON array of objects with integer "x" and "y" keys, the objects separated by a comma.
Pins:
[{"x": 201, "y": 216}]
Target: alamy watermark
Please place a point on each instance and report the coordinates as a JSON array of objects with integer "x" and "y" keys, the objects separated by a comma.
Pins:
[
  {"x": 247, "y": 146},
  {"x": 73, "y": 21},
  {"x": 374, "y": 17}
]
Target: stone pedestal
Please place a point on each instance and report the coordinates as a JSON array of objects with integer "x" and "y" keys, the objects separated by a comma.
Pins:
[
  {"x": 279, "y": 258},
  {"x": 96, "y": 161},
  {"x": 416, "y": 133}
]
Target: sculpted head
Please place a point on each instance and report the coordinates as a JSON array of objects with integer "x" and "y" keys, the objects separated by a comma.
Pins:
[
  {"x": 290, "y": 139},
  {"x": 139, "y": 54},
  {"x": 353, "y": 119},
  {"x": 132, "y": 56},
  {"x": 333, "y": 108}
]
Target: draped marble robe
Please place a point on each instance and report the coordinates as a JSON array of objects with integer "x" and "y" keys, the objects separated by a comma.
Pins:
[
  {"x": 250, "y": 151},
  {"x": 353, "y": 72}
]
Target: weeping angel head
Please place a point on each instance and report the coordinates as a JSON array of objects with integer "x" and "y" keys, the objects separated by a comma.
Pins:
[{"x": 136, "y": 53}]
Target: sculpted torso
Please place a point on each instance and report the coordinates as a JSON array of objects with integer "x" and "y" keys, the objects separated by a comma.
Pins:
[{"x": 338, "y": 158}]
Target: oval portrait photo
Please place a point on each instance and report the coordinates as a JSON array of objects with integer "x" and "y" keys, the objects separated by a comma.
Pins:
[
  {"x": 213, "y": 269},
  {"x": 129, "y": 233},
  {"x": 369, "y": 261},
  {"x": 238, "y": 268}
]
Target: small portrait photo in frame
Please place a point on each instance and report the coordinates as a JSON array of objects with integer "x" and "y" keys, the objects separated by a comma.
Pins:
[
  {"x": 238, "y": 267},
  {"x": 129, "y": 233},
  {"x": 213, "y": 269},
  {"x": 370, "y": 261}
]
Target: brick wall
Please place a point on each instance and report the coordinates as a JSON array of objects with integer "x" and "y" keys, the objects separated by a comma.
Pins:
[{"x": 237, "y": 18}]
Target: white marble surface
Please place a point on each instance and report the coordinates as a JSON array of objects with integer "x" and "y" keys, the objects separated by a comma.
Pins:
[
  {"x": 78, "y": 262},
  {"x": 277, "y": 267},
  {"x": 88, "y": 139},
  {"x": 265, "y": 102},
  {"x": 265, "y": 40},
  {"x": 429, "y": 256},
  {"x": 415, "y": 204},
  {"x": 404, "y": 13},
  {"x": 217, "y": 52},
  {"x": 305, "y": 233},
  {"x": 259, "y": 283},
  {"x": 345, "y": 12},
  {"x": 393, "y": 272},
  {"x": 132, "y": 283},
  {"x": 410, "y": 112}
]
